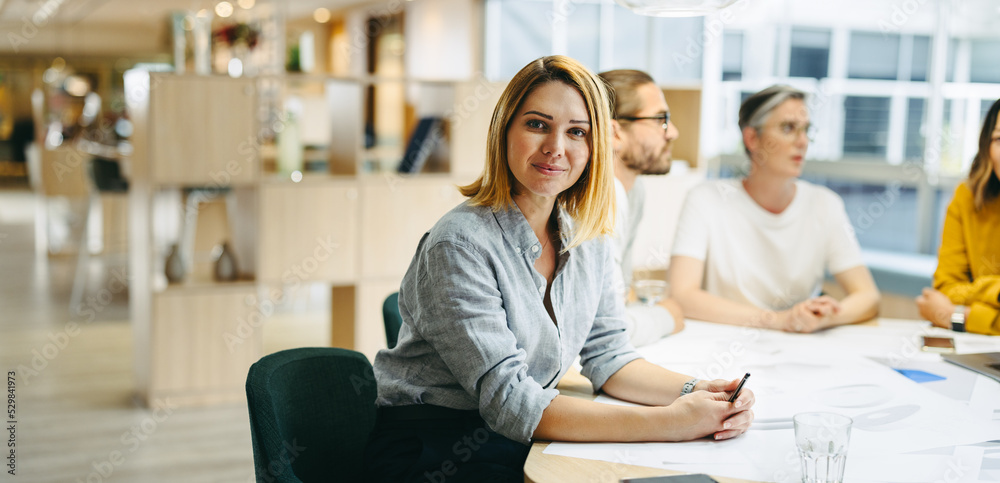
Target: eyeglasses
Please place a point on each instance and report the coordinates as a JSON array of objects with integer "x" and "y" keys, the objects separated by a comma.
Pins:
[
  {"x": 792, "y": 130},
  {"x": 664, "y": 119}
]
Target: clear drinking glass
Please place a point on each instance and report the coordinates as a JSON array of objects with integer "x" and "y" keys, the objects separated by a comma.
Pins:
[
  {"x": 822, "y": 440},
  {"x": 649, "y": 292}
]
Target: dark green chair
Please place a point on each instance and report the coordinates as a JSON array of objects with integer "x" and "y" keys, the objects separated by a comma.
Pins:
[
  {"x": 391, "y": 318},
  {"x": 311, "y": 412}
]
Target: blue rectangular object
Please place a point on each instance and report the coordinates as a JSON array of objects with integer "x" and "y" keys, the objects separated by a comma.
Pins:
[{"x": 920, "y": 376}]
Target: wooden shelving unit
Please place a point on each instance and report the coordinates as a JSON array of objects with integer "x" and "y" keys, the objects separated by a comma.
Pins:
[
  {"x": 190, "y": 133},
  {"x": 354, "y": 227}
]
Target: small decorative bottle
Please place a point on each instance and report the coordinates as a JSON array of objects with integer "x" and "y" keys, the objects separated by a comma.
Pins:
[
  {"x": 174, "y": 266},
  {"x": 225, "y": 266}
]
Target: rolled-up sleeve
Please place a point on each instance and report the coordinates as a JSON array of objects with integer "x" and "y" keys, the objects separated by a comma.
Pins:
[
  {"x": 467, "y": 326},
  {"x": 648, "y": 323},
  {"x": 607, "y": 348}
]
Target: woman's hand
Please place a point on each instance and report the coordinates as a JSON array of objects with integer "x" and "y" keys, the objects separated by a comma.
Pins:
[
  {"x": 935, "y": 307},
  {"x": 708, "y": 411},
  {"x": 823, "y": 306},
  {"x": 808, "y": 316},
  {"x": 718, "y": 385}
]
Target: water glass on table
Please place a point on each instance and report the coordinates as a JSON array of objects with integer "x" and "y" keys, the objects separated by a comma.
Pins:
[
  {"x": 822, "y": 440},
  {"x": 649, "y": 292}
]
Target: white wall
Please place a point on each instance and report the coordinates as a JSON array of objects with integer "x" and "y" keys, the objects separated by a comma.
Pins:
[
  {"x": 906, "y": 16},
  {"x": 440, "y": 38},
  {"x": 969, "y": 18}
]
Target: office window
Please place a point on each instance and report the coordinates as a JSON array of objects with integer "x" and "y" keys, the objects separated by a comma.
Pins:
[
  {"x": 949, "y": 131},
  {"x": 873, "y": 56},
  {"x": 920, "y": 61},
  {"x": 583, "y": 32},
  {"x": 810, "y": 54},
  {"x": 884, "y": 216},
  {"x": 949, "y": 74},
  {"x": 983, "y": 65},
  {"x": 732, "y": 56},
  {"x": 671, "y": 38},
  {"x": 942, "y": 198},
  {"x": 866, "y": 125},
  {"x": 914, "y": 147},
  {"x": 630, "y": 42},
  {"x": 952, "y": 133},
  {"x": 526, "y": 32},
  {"x": 984, "y": 107}
]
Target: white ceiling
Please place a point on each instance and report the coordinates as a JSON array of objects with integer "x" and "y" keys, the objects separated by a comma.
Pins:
[
  {"x": 121, "y": 27},
  {"x": 132, "y": 12},
  {"x": 117, "y": 27}
]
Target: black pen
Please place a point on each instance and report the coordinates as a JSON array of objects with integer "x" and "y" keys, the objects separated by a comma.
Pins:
[{"x": 739, "y": 388}]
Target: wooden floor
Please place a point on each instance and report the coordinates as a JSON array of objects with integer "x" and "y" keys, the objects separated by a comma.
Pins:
[{"x": 76, "y": 418}]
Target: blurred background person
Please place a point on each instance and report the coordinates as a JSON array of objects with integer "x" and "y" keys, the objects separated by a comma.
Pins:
[
  {"x": 754, "y": 251},
  {"x": 966, "y": 293},
  {"x": 643, "y": 137}
]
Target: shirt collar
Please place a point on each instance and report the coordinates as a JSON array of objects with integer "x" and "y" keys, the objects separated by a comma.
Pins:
[{"x": 515, "y": 227}]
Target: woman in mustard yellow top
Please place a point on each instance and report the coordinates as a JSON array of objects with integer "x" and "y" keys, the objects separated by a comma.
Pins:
[{"x": 966, "y": 294}]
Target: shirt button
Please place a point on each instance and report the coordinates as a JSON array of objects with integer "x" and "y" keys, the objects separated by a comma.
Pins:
[
  {"x": 534, "y": 249},
  {"x": 541, "y": 290}
]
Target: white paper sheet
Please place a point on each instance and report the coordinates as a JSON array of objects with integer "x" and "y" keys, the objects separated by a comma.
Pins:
[
  {"x": 959, "y": 467},
  {"x": 891, "y": 413},
  {"x": 755, "y": 456},
  {"x": 830, "y": 371}
]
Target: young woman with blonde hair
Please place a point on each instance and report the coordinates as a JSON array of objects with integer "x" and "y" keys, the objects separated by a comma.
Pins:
[{"x": 508, "y": 288}]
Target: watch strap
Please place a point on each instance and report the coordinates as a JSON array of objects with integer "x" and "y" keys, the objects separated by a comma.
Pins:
[
  {"x": 958, "y": 318},
  {"x": 689, "y": 386}
]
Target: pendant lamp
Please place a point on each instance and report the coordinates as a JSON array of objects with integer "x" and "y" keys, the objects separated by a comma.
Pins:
[{"x": 675, "y": 8}]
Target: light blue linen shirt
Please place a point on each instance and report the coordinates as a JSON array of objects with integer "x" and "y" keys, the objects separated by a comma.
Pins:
[{"x": 475, "y": 331}]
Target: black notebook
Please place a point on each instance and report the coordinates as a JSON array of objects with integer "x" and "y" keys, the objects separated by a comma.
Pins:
[{"x": 422, "y": 143}]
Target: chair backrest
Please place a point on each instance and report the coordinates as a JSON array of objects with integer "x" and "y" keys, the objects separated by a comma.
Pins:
[
  {"x": 107, "y": 175},
  {"x": 391, "y": 318},
  {"x": 311, "y": 413}
]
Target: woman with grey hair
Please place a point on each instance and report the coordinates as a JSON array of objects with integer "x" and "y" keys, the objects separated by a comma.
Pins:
[{"x": 754, "y": 251}]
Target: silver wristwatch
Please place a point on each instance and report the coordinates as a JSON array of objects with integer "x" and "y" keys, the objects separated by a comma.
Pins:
[
  {"x": 958, "y": 319},
  {"x": 689, "y": 386}
]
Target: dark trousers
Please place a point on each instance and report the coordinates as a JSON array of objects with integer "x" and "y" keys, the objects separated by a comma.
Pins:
[{"x": 432, "y": 444}]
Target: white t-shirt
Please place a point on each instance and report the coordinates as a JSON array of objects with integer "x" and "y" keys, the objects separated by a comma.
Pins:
[
  {"x": 628, "y": 214},
  {"x": 768, "y": 260},
  {"x": 644, "y": 325}
]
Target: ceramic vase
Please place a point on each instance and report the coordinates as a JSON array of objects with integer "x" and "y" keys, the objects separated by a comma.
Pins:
[
  {"x": 174, "y": 266},
  {"x": 226, "y": 269}
]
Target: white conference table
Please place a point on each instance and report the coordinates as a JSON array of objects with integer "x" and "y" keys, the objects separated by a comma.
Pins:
[{"x": 890, "y": 342}]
